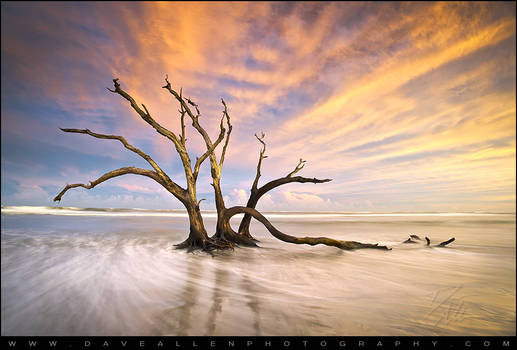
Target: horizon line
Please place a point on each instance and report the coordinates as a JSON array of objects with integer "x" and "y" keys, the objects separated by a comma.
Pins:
[{"x": 264, "y": 211}]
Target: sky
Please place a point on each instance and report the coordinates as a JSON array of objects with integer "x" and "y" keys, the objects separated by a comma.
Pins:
[{"x": 406, "y": 106}]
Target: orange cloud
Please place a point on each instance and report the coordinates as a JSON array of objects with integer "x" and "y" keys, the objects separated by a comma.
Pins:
[{"x": 374, "y": 95}]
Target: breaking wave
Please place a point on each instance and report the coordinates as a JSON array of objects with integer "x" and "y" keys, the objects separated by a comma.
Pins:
[{"x": 179, "y": 213}]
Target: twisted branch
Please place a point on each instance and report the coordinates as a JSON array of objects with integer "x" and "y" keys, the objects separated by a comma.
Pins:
[
  {"x": 230, "y": 127},
  {"x": 195, "y": 118},
  {"x": 118, "y": 172},
  {"x": 146, "y": 116},
  {"x": 132, "y": 148},
  {"x": 346, "y": 245},
  {"x": 180, "y": 99}
]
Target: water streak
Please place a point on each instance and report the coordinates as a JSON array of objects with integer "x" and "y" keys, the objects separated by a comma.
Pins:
[{"x": 94, "y": 274}]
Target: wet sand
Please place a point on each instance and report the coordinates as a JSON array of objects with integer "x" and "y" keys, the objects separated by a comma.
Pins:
[{"x": 119, "y": 275}]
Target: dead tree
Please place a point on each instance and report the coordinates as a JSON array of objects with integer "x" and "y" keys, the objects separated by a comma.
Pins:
[{"x": 198, "y": 238}]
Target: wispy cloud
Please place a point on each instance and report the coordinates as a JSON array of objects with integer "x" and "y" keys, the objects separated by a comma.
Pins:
[{"x": 399, "y": 103}]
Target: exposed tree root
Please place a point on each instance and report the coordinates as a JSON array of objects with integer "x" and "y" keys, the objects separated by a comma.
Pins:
[
  {"x": 246, "y": 234},
  {"x": 231, "y": 236},
  {"x": 346, "y": 245},
  {"x": 207, "y": 245}
]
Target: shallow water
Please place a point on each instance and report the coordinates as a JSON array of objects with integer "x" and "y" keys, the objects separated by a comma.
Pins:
[{"x": 72, "y": 273}]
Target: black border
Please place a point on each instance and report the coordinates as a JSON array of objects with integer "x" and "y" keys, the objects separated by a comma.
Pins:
[{"x": 258, "y": 342}]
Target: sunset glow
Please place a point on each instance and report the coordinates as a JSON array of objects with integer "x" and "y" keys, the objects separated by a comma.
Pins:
[{"x": 406, "y": 106}]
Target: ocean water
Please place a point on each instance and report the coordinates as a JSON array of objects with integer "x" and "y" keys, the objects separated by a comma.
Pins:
[{"x": 73, "y": 271}]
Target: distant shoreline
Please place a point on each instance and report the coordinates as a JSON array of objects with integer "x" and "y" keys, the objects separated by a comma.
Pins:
[{"x": 42, "y": 210}]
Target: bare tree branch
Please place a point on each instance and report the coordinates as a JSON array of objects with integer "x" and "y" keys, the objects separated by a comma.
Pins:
[
  {"x": 209, "y": 151},
  {"x": 119, "y": 172},
  {"x": 195, "y": 118},
  {"x": 132, "y": 148},
  {"x": 146, "y": 116},
  {"x": 299, "y": 167},
  {"x": 180, "y": 99},
  {"x": 190, "y": 102},
  {"x": 230, "y": 127},
  {"x": 285, "y": 180},
  {"x": 259, "y": 164},
  {"x": 182, "y": 119},
  {"x": 214, "y": 165}
]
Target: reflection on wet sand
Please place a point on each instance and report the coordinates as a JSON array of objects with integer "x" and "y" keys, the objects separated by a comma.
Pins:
[
  {"x": 233, "y": 293},
  {"x": 117, "y": 276},
  {"x": 189, "y": 296},
  {"x": 253, "y": 302},
  {"x": 217, "y": 300},
  {"x": 184, "y": 296}
]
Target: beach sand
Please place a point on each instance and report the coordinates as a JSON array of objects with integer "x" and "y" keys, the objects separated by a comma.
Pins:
[{"x": 120, "y": 275}]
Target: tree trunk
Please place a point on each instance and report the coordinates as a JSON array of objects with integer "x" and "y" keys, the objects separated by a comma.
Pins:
[
  {"x": 227, "y": 234},
  {"x": 220, "y": 228},
  {"x": 223, "y": 231},
  {"x": 198, "y": 237},
  {"x": 244, "y": 227}
]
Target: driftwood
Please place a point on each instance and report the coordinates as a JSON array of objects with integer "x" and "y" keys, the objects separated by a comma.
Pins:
[{"x": 443, "y": 244}]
